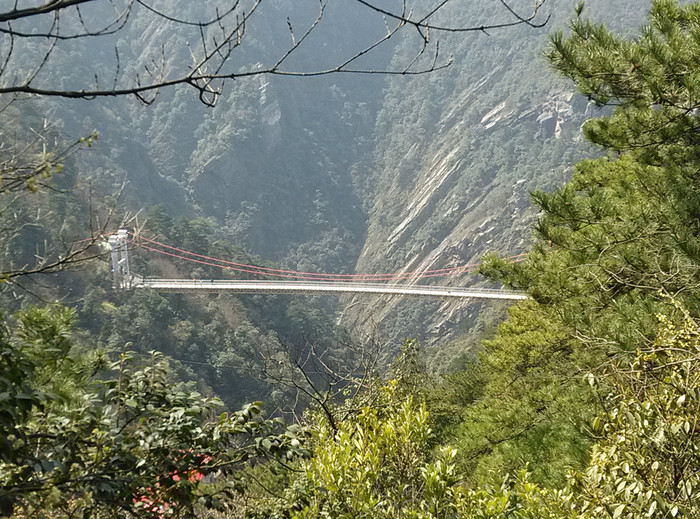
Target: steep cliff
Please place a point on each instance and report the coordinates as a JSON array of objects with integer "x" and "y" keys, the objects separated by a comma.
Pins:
[{"x": 456, "y": 156}]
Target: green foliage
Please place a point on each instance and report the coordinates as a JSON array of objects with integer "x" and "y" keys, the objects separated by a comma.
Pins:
[
  {"x": 374, "y": 463},
  {"x": 133, "y": 443},
  {"x": 381, "y": 463},
  {"x": 409, "y": 370},
  {"x": 652, "y": 79},
  {"x": 614, "y": 235},
  {"x": 367, "y": 464},
  {"x": 629, "y": 221},
  {"x": 517, "y": 498},
  {"x": 645, "y": 460},
  {"x": 647, "y": 463},
  {"x": 519, "y": 402},
  {"x": 609, "y": 243}
]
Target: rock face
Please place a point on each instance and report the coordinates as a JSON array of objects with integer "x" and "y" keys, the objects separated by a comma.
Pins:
[
  {"x": 498, "y": 114},
  {"x": 548, "y": 125},
  {"x": 555, "y": 112},
  {"x": 487, "y": 147}
]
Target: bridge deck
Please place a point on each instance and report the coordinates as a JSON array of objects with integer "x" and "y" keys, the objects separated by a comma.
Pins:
[{"x": 311, "y": 287}]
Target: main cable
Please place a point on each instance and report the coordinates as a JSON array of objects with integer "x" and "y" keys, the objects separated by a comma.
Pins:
[
  {"x": 287, "y": 276},
  {"x": 269, "y": 271}
]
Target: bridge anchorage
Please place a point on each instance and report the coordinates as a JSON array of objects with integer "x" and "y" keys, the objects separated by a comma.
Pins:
[{"x": 124, "y": 279}]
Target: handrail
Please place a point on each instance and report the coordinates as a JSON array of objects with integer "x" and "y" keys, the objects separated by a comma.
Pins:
[{"x": 279, "y": 287}]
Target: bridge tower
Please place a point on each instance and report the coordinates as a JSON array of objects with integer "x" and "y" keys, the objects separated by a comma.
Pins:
[{"x": 120, "y": 259}]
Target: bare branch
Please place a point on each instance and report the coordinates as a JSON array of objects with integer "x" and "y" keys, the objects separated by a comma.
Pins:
[
  {"x": 219, "y": 34},
  {"x": 49, "y": 7},
  {"x": 424, "y": 22}
]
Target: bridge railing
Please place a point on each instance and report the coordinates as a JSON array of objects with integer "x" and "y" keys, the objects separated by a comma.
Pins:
[
  {"x": 268, "y": 286},
  {"x": 263, "y": 282}
]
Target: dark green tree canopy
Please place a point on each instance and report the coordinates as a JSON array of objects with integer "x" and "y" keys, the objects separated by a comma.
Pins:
[
  {"x": 82, "y": 435},
  {"x": 619, "y": 241},
  {"x": 653, "y": 79}
]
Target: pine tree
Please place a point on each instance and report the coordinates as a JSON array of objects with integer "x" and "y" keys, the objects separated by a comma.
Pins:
[{"x": 614, "y": 241}]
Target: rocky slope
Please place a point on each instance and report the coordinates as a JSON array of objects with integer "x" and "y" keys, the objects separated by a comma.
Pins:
[{"x": 456, "y": 157}]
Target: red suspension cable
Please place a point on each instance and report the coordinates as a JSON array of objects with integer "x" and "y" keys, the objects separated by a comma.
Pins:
[
  {"x": 287, "y": 276},
  {"x": 254, "y": 269}
]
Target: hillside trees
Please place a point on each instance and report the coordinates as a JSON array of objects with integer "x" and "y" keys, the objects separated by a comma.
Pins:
[
  {"x": 221, "y": 340},
  {"x": 83, "y": 435},
  {"x": 381, "y": 459},
  {"x": 34, "y": 225}
]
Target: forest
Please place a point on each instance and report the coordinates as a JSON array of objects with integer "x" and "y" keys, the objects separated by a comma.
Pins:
[{"x": 553, "y": 153}]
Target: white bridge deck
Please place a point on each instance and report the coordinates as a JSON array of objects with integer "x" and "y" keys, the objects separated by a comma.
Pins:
[{"x": 316, "y": 287}]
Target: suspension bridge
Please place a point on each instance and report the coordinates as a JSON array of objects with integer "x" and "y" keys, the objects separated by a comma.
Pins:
[{"x": 288, "y": 281}]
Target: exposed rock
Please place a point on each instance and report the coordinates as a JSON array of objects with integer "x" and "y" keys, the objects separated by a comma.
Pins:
[
  {"x": 270, "y": 116},
  {"x": 436, "y": 185},
  {"x": 547, "y": 125},
  {"x": 453, "y": 113},
  {"x": 528, "y": 114},
  {"x": 495, "y": 116},
  {"x": 553, "y": 114}
]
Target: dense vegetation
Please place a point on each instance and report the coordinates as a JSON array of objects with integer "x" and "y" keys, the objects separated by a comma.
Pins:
[{"x": 584, "y": 403}]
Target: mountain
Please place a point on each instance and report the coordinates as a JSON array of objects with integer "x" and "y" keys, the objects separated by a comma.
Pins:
[
  {"x": 456, "y": 155},
  {"x": 343, "y": 173}
]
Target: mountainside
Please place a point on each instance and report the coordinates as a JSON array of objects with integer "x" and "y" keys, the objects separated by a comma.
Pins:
[
  {"x": 350, "y": 173},
  {"x": 456, "y": 156}
]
